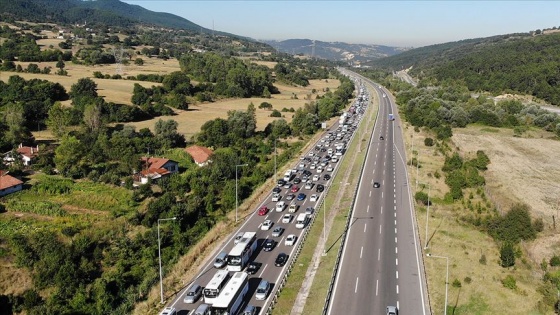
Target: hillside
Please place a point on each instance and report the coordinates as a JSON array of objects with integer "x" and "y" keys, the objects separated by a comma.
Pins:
[
  {"x": 335, "y": 51},
  {"x": 106, "y": 12}
]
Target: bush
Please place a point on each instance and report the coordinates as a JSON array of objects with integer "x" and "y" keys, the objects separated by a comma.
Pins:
[
  {"x": 482, "y": 259},
  {"x": 457, "y": 283},
  {"x": 421, "y": 197},
  {"x": 428, "y": 142},
  {"x": 507, "y": 255},
  {"x": 467, "y": 280},
  {"x": 275, "y": 113},
  {"x": 509, "y": 282},
  {"x": 555, "y": 261}
]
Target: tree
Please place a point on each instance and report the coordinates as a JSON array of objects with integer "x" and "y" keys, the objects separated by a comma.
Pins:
[
  {"x": 507, "y": 255},
  {"x": 15, "y": 121},
  {"x": 139, "y": 61},
  {"x": 265, "y": 105},
  {"x": 92, "y": 117},
  {"x": 84, "y": 87},
  {"x": 68, "y": 156},
  {"x": 166, "y": 133},
  {"x": 60, "y": 64},
  {"x": 58, "y": 120}
]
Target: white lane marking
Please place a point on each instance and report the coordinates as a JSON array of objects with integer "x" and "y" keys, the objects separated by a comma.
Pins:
[
  {"x": 381, "y": 209},
  {"x": 262, "y": 272},
  {"x": 361, "y": 252},
  {"x": 368, "y": 205},
  {"x": 397, "y": 274},
  {"x": 397, "y": 289},
  {"x": 365, "y": 227},
  {"x": 395, "y": 222},
  {"x": 379, "y": 229},
  {"x": 281, "y": 240},
  {"x": 396, "y": 250},
  {"x": 395, "y": 214},
  {"x": 381, "y": 195},
  {"x": 397, "y": 261},
  {"x": 356, "y": 289},
  {"x": 377, "y": 287},
  {"x": 398, "y": 306},
  {"x": 370, "y": 193},
  {"x": 395, "y": 239},
  {"x": 379, "y": 254}
]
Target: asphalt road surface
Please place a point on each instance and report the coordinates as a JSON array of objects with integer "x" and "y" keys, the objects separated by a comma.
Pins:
[{"x": 381, "y": 264}]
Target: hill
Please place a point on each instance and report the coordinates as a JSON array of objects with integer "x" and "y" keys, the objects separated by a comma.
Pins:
[
  {"x": 336, "y": 51},
  {"x": 107, "y": 12}
]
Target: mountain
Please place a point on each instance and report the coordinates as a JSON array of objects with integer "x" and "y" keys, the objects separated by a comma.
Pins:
[
  {"x": 108, "y": 12},
  {"x": 336, "y": 51}
]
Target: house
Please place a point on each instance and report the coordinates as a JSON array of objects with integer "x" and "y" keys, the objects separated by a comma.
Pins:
[
  {"x": 200, "y": 155},
  {"x": 156, "y": 168},
  {"x": 9, "y": 184},
  {"x": 27, "y": 155}
]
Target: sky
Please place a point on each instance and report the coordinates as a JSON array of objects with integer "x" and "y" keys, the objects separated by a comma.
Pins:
[{"x": 391, "y": 23}]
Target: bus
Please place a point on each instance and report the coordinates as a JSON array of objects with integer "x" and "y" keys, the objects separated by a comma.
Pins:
[
  {"x": 215, "y": 286},
  {"x": 231, "y": 298},
  {"x": 240, "y": 254}
]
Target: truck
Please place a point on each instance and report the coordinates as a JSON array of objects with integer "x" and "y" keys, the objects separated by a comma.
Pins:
[
  {"x": 391, "y": 117},
  {"x": 301, "y": 220}
]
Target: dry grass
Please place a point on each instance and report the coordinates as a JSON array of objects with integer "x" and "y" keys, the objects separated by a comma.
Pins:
[{"x": 516, "y": 174}]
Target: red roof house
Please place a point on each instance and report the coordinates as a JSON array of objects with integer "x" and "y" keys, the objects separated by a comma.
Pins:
[
  {"x": 155, "y": 168},
  {"x": 200, "y": 155},
  {"x": 9, "y": 184}
]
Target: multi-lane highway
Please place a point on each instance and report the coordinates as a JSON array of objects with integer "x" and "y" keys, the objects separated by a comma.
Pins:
[
  {"x": 323, "y": 152},
  {"x": 381, "y": 264}
]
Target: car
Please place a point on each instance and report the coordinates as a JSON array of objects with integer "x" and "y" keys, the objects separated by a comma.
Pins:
[
  {"x": 193, "y": 294},
  {"x": 330, "y": 169},
  {"x": 221, "y": 260},
  {"x": 295, "y": 188},
  {"x": 300, "y": 196},
  {"x": 290, "y": 240},
  {"x": 320, "y": 188},
  {"x": 313, "y": 166},
  {"x": 380, "y": 137},
  {"x": 301, "y": 165},
  {"x": 297, "y": 180},
  {"x": 280, "y": 182},
  {"x": 316, "y": 178},
  {"x": 253, "y": 267},
  {"x": 277, "y": 231},
  {"x": 392, "y": 310},
  {"x": 276, "y": 190},
  {"x": 263, "y": 210},
  {"x": 170, "y": 310},
  {"x": 309, "y": 185},
  {"x": 334, "y": 160},
  {"x": 262, "y": 290},
  {"x": 326, "y": 177},
  {"x": 290, "y": 197},
  {"x": 293, "y": 208},
  {"x": 268, "y": 245},
  {"x": 267, "y": 224},
  {"x": 319, "y": 169},
  {"x": 376, "y": 185},
  {"x": 287, "y": 218},
  {"x": 287, "y": 185},
  {"x": 276, "y": 197},
  {"x": 313, "y": 198},
  {"x": 238, "y": 237},
  {"x": 309, "y": 211},
  {"x": 249, "y": 310},
  {"x": 281, "y": 260}
]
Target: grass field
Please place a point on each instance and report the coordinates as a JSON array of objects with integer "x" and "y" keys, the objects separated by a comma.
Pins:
[{"x": 516, "y": 174}]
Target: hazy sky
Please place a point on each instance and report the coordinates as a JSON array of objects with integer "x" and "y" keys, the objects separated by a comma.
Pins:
[{"x": 392, "y": 23}]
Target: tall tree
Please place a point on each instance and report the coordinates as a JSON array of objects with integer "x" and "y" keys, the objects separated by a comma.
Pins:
[{"x": 58, "y": 120}]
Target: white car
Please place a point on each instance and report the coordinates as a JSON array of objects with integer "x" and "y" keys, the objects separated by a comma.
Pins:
[
  {"x": 316, "y": 178},
  {"x": 168, "y": 311},
  {"x": 313, "y": 166},
  {"x": 287, "y": 218},
  {"x": 276, "y": 197},
  {"x": 293, "y": 208},
  {"x": 313, "y": 198},
  {"x": 267, "y": 224},
  {"x": 329, "y": 169},
  {"x": 319, "y": 169},
  {"x": 290, "y": 240}
]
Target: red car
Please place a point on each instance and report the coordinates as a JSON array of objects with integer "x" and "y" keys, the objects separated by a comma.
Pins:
[
  {"x": 295, "y": 188},
  {"x": 263, "y": 210}
]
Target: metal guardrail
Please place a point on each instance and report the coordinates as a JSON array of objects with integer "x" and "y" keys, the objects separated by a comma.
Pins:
[
  {"x": 343, "y": 240},
  {"x": 304, "y": 236}
]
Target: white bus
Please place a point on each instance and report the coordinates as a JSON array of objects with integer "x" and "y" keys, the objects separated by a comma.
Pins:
[
  {"x": 231, "y": 298},
  {"x": 215, "y": 286},
  {"x": 240, "y": 254}
]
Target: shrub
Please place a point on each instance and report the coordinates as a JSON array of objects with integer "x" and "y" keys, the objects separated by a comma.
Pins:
[
  {"x": 482, "y": 259},
  {"x": 421, "y": 197},
  {"x": 467, "y": 280},
  {"x": 428, "y": 142},
  {"x": 456, "y": 283},
  {"x": 275, "y": 113},
  {"x": 509, "y": 282},
  {"x": 555, "y": 261},
  {"x": 507, "y": 255}
]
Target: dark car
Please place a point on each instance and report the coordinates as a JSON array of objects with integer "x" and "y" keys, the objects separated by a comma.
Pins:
[
  {"x": 300, "y": 196},
  {"x": 290, "y": 197},
  {"x": 268, "y": 245},
  {"x": 376, "y": 185},
  {"x": 280, "y": 182},
  {"x": 297, "y": 180},
  {"x": 253, "y": 267},
  {"x": 277, "y": 190},
  {"x": 380, "y": 137},
  {"x": 320, "y": 188},
  {"x": 281, "y": 260},
  {"x": 327, "y": 177}
]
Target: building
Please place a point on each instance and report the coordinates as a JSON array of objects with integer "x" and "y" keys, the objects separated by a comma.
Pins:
[
  {"x": 27, "y": 155},
  {"x": 200, "y": 155},
  {"x": 9, "y": 184},
  {"x": 156, "y": 168}
]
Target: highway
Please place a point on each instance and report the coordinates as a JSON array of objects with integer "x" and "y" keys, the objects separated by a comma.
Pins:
[
  {"x": 253, "y": 223},
  {"x": 381, "y": 264}
]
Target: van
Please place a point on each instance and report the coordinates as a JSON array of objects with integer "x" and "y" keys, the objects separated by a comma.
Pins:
[
  {"x": 262, "y": 290},
  {"x": 301, "y": 220},
  {"x": 202, "y": 309},
  {"x": 193, "y": 294},
  {"x": 280, "y": 206},
  {"x": 220, "y": 261},
  {"x": 287, "y": 176}
]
